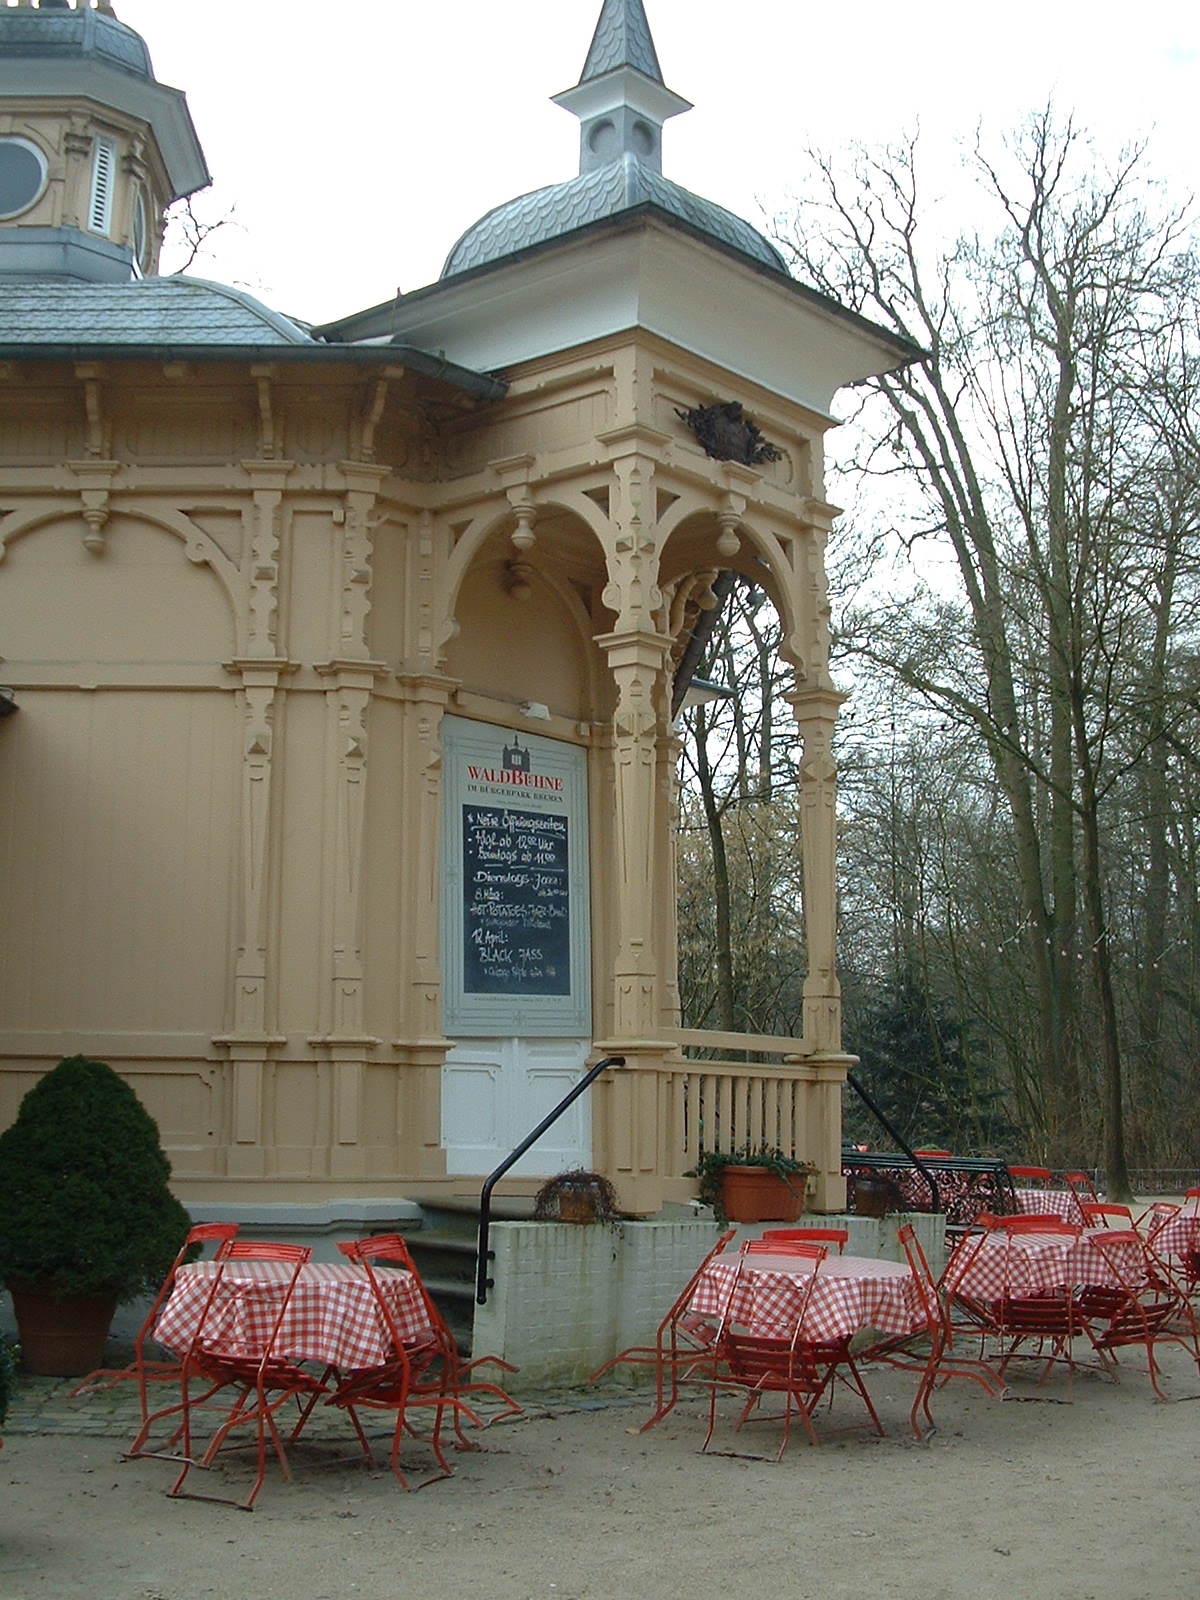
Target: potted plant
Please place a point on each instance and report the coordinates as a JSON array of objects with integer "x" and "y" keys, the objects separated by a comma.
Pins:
[
  {"x": 86, "y": 1215},
  {"x": 577, "y": 1196},
  {"x": 754, "y": 1184}
]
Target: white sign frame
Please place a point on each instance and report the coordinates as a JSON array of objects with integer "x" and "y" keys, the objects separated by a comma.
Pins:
[{"x": 548, "y": 780}]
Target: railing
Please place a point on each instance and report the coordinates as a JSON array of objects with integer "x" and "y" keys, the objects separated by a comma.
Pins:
[
  {"x": 888, "y": 1127},
  {"x": 726, "y": 1105},
  {"x": 482, "y": 1282}
]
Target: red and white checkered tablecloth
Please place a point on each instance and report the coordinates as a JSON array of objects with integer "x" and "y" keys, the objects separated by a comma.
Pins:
[
  {"x": 331, "y": 1318},
  {"x": 1059, "y": 1203},
  {"x": 851, "y": 1292},
  {"x": 1024, "y": 1264},
  {"x": 1180, "y": 1236}
]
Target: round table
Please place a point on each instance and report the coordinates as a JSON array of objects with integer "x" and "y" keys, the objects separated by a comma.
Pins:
[
  {"x": 332, "y": 1316},
  {"x": 1059, "y": 1203},
  {"x": 1179, "y": 1235},
  {"x": 1018, "y": 1265},
  {"x": 765, "y": 1294}
]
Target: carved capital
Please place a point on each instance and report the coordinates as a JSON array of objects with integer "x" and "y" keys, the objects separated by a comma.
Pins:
[
  {"x": 358, "y": 523},
  {"x": 632, "y": 590}
]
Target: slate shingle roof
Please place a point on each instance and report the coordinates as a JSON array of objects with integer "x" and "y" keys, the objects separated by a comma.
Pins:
[
  {"x": 591, "y": 197},
  {"x": 50, "y": 34},
  {"x": 154, "y": 311}
]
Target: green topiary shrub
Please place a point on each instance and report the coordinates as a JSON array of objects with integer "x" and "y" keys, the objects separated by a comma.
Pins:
[{"x": 84, "y": 1202}]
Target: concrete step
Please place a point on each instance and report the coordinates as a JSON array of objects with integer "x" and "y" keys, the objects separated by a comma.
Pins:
[{"x": 443, "y": 1248}]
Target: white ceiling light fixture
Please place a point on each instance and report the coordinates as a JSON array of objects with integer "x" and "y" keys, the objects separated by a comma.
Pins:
[{"x": 702, "y": 693}]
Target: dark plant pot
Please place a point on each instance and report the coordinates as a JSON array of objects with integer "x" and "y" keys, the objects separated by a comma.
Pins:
[
  {"x": 576, "y": 1206},
  {"x": 873, "y": 1197},
  {"x": 756, "y": 1194},
  {"x": 62, "y": 1336}
]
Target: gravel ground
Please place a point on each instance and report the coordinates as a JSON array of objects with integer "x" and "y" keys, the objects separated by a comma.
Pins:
[{"x": 1087, "y": 1497}]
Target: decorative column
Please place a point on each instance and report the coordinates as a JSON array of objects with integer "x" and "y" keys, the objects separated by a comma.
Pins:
[
  {"x": 350, "y": 675},
  {"x": 670, "y": 746},
  {"x": 251, "y": 1039},
  {"x": 627, "y": 1121},
  {"x": 636, "y": 661},
  {"x": 816, "y": 716},
  {"x": 421, "y": 1046}
]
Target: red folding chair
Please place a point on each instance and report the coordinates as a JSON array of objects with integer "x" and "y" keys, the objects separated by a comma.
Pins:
[
  {"x": 682, "y": 1344},
  {"x": 145, "y": 1370},
  {"x": 263, "y": 1381},
  {"x": 835, "y": 1237},
  {"x": 1148, "y": 1309},
  {"x": 1190, "y": 1259},
  {"x": 424, "y": 1374},
  {"x": 755, "y": 1366},
  {"x": 806, "y": 1249},
  {"x": 1049, "y": 1320},
  {"x": 968, "y": 1315},
  {"x": 1031, "y": 1177},
  {"x": 939, "y": 1363},
  {"x": 1105, "y": 1214},
  {"x": 1080, "y": 1185},
  {"x": 438, "y": 1369},
  {"x": 1183, "y": 1263},
  {"x": 801, "y": 1368},
  {"x": 1033, "y": 1222},
  {"x": 1155, "y": 1217}
]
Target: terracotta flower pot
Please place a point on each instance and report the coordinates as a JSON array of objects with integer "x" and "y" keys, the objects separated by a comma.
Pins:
[
  {"x": 61, "y": 1336},
  {"x": 756, "y": 1194},
  {"x": 874, "y": 1197},
  {"x": 576, "y": 1205}
]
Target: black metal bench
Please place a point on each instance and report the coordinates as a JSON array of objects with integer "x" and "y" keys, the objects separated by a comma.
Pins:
[{"x": 963, "y": 1185}]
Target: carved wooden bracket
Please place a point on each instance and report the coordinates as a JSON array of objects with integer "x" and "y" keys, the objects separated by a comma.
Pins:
[
  {"x": 264, "y": 380},
  {"x": 95, "y": 485},
  {"x": 89, "y": 374}
]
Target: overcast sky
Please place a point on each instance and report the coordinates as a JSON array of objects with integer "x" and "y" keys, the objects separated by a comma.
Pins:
[{"x": 359, "y": 138}]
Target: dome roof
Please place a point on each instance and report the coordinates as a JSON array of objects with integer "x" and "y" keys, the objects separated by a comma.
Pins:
[
  {"x": 56, "y": 33},
  {"x": 594, "y": 197},
  {"x": 622, "y": 103}
]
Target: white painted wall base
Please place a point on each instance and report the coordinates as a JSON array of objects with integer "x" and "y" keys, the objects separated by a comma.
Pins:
[{"x": 567, "y": 1298}]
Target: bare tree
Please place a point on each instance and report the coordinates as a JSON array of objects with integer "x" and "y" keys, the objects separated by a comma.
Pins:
[
  {"x": 188, "y": 233},
  {"x": 1023, "y": 441}
]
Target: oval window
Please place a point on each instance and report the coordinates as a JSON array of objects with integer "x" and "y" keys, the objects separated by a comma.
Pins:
[
  {"x": 22, "y": 175},
  {"x": 141, "y": 232}
]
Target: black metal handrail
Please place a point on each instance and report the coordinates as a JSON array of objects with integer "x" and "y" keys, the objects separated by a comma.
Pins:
[
  {"x": 879, "y": 1116},
  {"x": 482, "y": 1282}
]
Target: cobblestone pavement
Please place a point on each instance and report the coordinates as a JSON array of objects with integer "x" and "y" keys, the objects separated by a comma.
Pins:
[{"x": 46, "y": 1406}]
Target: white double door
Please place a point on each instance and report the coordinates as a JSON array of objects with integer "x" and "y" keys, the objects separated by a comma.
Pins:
[{"x": 496, "y": 1091}]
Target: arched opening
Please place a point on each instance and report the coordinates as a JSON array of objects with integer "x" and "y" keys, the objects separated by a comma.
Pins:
[
  {"x": 517, "y": 854},
  {"x": 741, "y": 938}
]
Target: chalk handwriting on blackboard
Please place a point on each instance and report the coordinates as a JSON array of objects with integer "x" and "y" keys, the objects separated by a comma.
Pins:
[{"x": 516, "y": 902}]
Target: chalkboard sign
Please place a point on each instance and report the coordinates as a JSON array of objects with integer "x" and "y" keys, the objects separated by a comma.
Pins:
[
  {"x": 516, "y": 902},
  {"x": 515, "y": 946}
]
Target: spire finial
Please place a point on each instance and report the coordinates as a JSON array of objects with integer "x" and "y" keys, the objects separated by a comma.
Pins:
[
  {"x": 622, "y": 39},
  {"x": 621, "y": 100}
]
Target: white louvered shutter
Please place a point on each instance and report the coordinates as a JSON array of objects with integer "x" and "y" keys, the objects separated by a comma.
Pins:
[{"x": 104, "y": 167}]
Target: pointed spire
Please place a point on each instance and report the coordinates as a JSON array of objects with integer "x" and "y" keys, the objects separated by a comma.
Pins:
[
  {"x": 622, "y": 39},
  {"x": 621, "y": 100}
]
